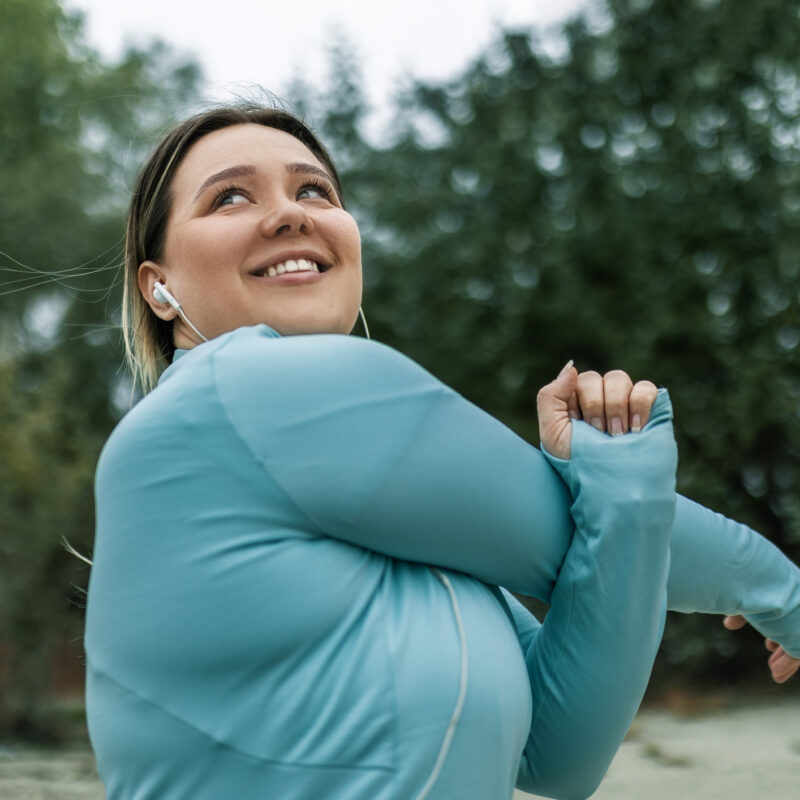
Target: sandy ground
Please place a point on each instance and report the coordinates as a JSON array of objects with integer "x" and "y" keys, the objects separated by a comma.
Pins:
[
  {"x": 744, "y": 753},
  {"x": 33, "y": 775}
]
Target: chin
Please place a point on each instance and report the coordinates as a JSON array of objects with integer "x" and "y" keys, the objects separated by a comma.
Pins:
[{"x": 295, "y": 328}]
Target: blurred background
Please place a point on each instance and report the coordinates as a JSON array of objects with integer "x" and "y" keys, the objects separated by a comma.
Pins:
[{"x": 614, "y": 182}]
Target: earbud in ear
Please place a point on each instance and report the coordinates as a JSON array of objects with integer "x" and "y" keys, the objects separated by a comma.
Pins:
[
  {"x": 163, "y": 295},
  {"x": 160, "y": 293}
]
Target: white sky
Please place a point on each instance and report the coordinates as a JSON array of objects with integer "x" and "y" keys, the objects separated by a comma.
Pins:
[{"x": 246, "y": 42}]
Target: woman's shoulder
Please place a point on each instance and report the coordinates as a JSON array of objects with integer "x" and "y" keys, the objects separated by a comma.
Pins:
[
  {"x": 258, "y": 354},
  {"x": 262, "y": 382},
  {"x": 257, "y": 372}
]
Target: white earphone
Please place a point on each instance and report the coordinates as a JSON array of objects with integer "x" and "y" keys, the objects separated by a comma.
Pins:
[
  {"x": 163, "y": 295},
  {"x": 364, "y": 322}
]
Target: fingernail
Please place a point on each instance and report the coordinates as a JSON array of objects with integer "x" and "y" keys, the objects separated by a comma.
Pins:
[
  {"x": 636, "y": 423},
  {"x": 598, "y": 424},
  {"x": 573, "y": 414},
  {"x": 615, "y": 428},
  {"x": 566, "y": 368}
]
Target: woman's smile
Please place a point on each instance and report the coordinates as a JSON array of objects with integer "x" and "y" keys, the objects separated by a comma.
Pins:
[{"x": 291, "y": 266}]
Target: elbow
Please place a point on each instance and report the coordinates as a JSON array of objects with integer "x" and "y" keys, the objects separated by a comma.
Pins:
[
  {"x": 561, "y": 789},
  {"x": 559, "y": 780}
]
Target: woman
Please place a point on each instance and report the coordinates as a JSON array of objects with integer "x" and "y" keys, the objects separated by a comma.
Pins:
[{"x": 300, "y": 537}]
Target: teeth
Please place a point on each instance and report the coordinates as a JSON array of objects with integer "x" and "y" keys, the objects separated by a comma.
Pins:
[
  {"x": 292, "y": 265},
  {"x": 303, "y": 265}
]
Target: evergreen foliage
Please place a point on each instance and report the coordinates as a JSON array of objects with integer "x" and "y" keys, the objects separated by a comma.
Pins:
[
  {"x": 73, "y": 130},
  {"x": 623, "y": 192}
]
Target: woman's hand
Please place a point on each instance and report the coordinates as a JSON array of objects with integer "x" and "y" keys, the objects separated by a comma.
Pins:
[
  {"x": 610, "y": 402},
  {"x": 781, "y": 664}
]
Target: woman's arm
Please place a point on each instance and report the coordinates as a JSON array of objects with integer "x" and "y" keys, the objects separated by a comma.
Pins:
[
  {"x": 723, "y": 567},
  {"x": 738, "y": 569},
  {"x": 588, "y": 667},
  {"x": 379, "y": 453}
]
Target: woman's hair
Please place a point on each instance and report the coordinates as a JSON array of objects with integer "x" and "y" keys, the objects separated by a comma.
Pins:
[{"x": 148, "y": 339}]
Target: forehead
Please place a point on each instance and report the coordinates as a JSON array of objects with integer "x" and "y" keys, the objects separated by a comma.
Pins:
[{"x": 263, "y": 147}]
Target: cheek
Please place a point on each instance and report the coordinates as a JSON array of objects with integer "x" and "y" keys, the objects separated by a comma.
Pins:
[
  {"x": 206, "y": 259},
  {"x": 356, "y": 239},
  {"x": 210, "y": 238},
  {"x": 348, "y": 236}
]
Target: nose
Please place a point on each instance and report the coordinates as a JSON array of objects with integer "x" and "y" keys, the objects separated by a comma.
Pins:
[{"x": 286, "y": 215}]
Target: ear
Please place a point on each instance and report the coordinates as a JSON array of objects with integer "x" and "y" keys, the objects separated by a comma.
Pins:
[{"x": 149, "y": 273}]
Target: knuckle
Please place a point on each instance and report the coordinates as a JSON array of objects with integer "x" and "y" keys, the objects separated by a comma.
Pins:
[
  {"x": 618, "y": 378},
  {"x": 616, "y": 374},
  {"x": 644, "y": 389}
]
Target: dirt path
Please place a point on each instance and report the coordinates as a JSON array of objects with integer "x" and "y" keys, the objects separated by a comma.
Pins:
[
  {"x": 745, "y": 753},
  {"x": 36, "y": 775}
]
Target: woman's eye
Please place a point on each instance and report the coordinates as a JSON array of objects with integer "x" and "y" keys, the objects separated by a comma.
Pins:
[
  {"x": 312, "y": 190},
  {"x": 231, "y": 198}
]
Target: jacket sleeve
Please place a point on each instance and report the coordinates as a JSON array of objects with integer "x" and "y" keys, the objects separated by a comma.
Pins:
[
  {"x": 723, "y": 567},
  {"x": 377, "y": 452},
  {"x": 590, "y": 662}
]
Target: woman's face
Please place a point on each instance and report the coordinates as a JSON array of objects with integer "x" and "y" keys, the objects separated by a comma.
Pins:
[{"x": 256, "y": 234}]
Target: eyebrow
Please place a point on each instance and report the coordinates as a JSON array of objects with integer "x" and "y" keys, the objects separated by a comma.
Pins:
[
  {"x": 248, "y": 169},
  {"x": 302, "y": 166},
  {"x": 224, "y": 175}
]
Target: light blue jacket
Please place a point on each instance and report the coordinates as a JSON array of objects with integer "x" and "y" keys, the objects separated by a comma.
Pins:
[{"x": 262, "y": 621}]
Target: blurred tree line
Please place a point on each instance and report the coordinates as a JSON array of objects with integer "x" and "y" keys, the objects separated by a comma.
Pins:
[
  {"x": 622, "y": 191},
  {"x": 72, "y": 132}
]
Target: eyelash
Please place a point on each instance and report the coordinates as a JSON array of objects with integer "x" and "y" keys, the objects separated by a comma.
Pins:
[
  {"x": 225, "y": 191},
  {"x": 229, "y": 189},
  {"x": 323, "y": 188}
]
